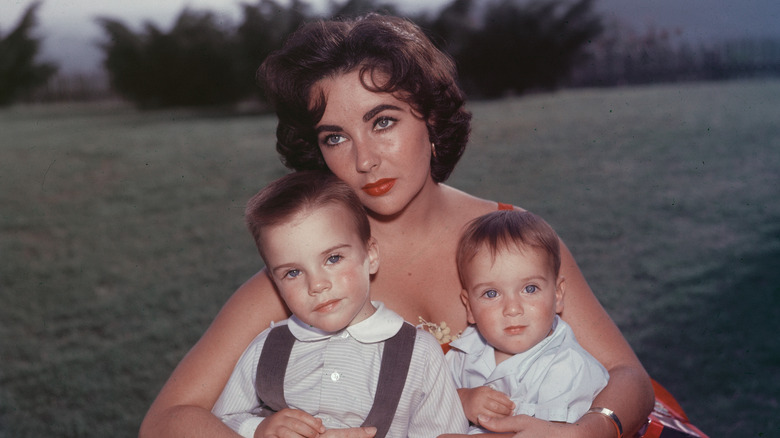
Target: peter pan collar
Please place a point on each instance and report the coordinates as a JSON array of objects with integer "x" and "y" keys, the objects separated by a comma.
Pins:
[{"x": 380, "y": 326}]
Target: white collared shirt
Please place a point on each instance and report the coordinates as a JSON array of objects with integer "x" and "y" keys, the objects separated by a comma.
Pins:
[
  {"x": 556, "y": 380},
  {"x": 333, "y": 376}
]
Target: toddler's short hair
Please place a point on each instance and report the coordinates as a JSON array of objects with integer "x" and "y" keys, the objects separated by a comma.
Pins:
[
  {"x": 507, "y": 229},
  {"x": 291, "y": 194}
]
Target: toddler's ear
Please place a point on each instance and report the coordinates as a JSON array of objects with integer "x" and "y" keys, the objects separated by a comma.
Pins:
[
  {"x": 464, "y": 297},
  {"x": 560, "y": 289}
]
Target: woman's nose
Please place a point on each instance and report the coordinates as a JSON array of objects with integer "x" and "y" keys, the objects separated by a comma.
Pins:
[{"x": 366, "y": 158}]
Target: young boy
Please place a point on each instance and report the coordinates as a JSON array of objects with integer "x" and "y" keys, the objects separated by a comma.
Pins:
[
  {"x": 341, "y": 360},
  {"x": 518, "y": 352}
]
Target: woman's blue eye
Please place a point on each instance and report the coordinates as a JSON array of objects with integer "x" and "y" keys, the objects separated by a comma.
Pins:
[
  {"x": 384, "y": 123},
  {"x": 334, "y": 259},
  {"x": 333, "y": 139},
  {"x": 491, "y": 293},
  {"x": 530, "y": 289}
]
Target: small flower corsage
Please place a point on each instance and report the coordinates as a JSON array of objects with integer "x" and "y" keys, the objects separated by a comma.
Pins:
[{"x": 442, "y": 332}]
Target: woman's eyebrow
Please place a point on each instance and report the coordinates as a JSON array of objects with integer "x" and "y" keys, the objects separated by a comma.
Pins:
[
  {"x": 366, "y": 117},
  {"x": 327, "y": 128},
  {"x": 378, "y": 109}
]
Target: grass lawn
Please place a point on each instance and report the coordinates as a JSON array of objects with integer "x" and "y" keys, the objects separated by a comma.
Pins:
[{"x": 121, "y": 235}]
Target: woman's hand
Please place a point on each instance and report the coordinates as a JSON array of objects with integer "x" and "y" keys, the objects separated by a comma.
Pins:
[
  {"x": 354, "y": 432},
  {"x": 485, "y": 401},
  {"x": 524, "y": 426},
  {"x": 290, "y": 423}
]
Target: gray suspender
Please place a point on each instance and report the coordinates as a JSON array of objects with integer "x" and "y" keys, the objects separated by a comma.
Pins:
[
  {"x": 272, "y": 367},
  {"x": 396, "y": 357}
]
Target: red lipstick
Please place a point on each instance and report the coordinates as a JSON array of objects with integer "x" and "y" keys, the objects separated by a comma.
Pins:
[{"x": 380, "y": 187}]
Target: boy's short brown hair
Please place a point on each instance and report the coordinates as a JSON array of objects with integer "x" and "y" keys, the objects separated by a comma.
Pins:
[
  {"x": 291, "y": 194},
  {"x": 507, "y": 229}
]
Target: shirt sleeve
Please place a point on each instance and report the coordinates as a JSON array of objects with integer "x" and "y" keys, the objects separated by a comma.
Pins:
[
  {"x": 439, "y": 410},
  {"x": 454, "y": 360},
  {"x": 569, "y": 386},
  {"x": 238, "y": 406}
]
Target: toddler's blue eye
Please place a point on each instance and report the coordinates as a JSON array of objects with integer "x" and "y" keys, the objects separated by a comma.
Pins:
[
  {"x": 292, "y": 273},
  {"x": 530, "y": 289},
  {"x": 491, "y": 293}
]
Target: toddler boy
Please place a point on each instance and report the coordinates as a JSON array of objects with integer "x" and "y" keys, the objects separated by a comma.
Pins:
[{"x": 517, "y": 345}]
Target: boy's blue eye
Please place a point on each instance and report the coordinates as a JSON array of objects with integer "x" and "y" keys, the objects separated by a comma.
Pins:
[
  {"x": 530, "y": 289},
  {"x": 491, "y": 293},
  {"x": 292, "y": 273}
]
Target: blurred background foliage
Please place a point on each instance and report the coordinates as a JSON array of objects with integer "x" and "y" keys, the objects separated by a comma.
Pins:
[
  {"x": 502, "y": 47},
  {"x": 19, "y": 72}
]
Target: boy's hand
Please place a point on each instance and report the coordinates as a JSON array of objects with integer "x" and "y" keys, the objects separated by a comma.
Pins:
[
  {"x": 290, "y": 423},
  {"x": 354, "y": 432},
  {"x": 485, "y": 401}
]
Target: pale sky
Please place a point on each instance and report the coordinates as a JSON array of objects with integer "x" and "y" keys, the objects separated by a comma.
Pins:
[{"x": 71, "y": 34}]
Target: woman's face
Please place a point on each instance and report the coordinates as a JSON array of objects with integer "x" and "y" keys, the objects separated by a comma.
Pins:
[{"x": 374, "y": 142}]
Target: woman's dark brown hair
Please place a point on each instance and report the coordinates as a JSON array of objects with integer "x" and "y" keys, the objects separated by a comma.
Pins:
[{"x": 417, "y": 73}]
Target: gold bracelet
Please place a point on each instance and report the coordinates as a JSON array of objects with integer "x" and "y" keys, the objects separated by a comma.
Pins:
[{"x": 612, "y": 417}]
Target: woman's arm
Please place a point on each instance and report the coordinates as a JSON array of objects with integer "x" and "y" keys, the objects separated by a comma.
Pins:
[
  {"x": 629, "y": 392},
  {"x": 184, "y": 404}
]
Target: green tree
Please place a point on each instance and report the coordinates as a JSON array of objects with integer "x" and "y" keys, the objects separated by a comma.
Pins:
[
  {"x": 516, "y": 47},
  {"x": 195, "y": 64},
  {"x": 19, "y": 72},
  {"x": 264, "y": 28}
]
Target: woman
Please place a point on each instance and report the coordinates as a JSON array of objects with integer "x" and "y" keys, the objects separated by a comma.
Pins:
[{"x": 376, "y": 103}]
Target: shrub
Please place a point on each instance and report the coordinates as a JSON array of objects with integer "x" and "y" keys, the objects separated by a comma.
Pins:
[
  {"x": 19, "y": 73},
  {"x": 192, "y": 65}
]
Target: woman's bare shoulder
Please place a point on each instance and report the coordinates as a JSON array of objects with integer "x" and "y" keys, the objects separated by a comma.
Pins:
[{"x": 462, "y": 204}]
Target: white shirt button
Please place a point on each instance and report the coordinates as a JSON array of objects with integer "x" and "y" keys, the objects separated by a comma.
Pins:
[{"x": 335, "y": 376}]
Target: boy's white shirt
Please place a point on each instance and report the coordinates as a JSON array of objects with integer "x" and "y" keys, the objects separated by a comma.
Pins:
[
  {"x": 556, "y": 380},
  {"x": 333, "y": 376}
]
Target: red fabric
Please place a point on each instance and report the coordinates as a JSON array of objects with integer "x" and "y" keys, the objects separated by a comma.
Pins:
[{"x": 668, "y": 418}]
